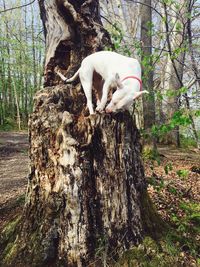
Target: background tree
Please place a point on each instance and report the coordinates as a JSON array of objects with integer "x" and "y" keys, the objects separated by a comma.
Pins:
[
  {"x": 146, "y": 57},
  {"x": 176, "y": 43}
]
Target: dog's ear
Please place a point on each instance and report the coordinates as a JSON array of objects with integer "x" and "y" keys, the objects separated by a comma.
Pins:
[
  {"x": 117, "y": 76},
  {"x": 118, "y": 81},
  {"x": 138, "y": 94}
]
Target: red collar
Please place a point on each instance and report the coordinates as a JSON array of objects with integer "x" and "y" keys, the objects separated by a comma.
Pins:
[{"x": 134, "y": 77}]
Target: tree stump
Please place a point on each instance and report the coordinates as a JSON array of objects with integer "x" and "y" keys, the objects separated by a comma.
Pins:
[{"x": 86, "y": 183}]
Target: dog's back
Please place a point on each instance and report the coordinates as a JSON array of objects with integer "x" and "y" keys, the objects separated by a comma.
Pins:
[{"x": 107, "y": 63}]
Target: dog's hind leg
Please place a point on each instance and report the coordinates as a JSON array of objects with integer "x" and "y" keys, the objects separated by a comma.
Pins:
[{"x": 86, "y": 81}]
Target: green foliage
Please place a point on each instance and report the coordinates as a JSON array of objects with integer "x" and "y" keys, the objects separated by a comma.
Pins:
[
  {"x": 187, "y": 227},
  {"x": 150, "y": 154},
  {"x": 171, "y": 92},
  {"x": 168, "y": 2},
  {"x": 192, "y": 214},
  {"x": 179, "y": 26},
  {"x": 179, "y": 118},
  {"x": 102, "y": 247},
  {"x": 158, "y": 184},
  {"x": 9, "y": 229},
  {"x": 172, "y": 190},
  {"x": 8, "y": 125},
  {"x": 168, "y": 167},
  {"x": 116, "y": 35},
  {"x": 183, "y": 173},
  {"x": 197, "y": 113},
  {"x": 171, "y": 248}
]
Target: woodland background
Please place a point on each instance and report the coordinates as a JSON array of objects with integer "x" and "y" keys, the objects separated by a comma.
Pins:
[
  {"x": 167, "y": 46},
  {"x": 164, "y": 35}
]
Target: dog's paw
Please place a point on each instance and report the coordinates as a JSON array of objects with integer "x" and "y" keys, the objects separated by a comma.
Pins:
[
  {"x": 108, "y": 110},
  {"x": 99, "y": 109}
]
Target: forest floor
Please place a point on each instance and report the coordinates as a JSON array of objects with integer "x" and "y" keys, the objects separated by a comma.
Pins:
[
  {"x": 13, "y": 172},
  {"x": 173, "y": 184}
]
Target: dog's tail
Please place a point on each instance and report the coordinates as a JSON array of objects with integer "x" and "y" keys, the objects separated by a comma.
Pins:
[
  {"x": 73, "y": 78},
  {"x": 65, "y": 79}
]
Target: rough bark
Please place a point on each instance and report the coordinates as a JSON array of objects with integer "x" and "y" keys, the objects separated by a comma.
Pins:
[{"x": 86, "y": 200}]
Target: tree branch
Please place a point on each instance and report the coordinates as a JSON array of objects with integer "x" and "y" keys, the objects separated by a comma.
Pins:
[
  {"x": 12, "y": 8},
  {"x": 190, "y": 43},
  {"x": 169, "y": 44},
  {"x": 138, "y": 2}
]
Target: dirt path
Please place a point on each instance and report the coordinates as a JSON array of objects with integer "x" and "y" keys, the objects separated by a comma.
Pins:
[{"x": 13, "y": 165}]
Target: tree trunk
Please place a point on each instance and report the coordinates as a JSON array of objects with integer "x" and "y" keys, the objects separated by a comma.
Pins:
[
  {"x": 17, "y": 105},
  {"x": 86, "y": 200},
  {"x": 146, "y": 40},
  {"x": 10, "y": 110}
]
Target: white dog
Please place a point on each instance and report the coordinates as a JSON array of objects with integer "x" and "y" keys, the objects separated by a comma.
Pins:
[{"x": 117, "y": 71}]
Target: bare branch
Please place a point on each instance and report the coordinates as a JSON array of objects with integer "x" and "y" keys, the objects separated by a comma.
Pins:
[
  {"x": 138, "y": 2},
  {"x": 191, "y": 51},
  {"x": 169, "y": 44},
  {"x": 12, "y": 8}
]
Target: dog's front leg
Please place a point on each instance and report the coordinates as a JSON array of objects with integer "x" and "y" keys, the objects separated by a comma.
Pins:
[{"x": 100, "y": 107}]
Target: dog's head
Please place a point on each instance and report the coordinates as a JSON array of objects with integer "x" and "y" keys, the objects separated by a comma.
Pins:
[
  {"x": 122, "y": 99},
  {"x": 119, "y": 101}
]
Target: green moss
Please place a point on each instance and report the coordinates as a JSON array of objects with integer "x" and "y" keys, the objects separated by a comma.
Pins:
[
  {"x": 20, "y": 200},
  {"x": 9, "y": 230},
  {"x": 8, "y": 240},
  {"x": 9, "y": 253},
  {"x": 150, "y": 254},
  {"x": 14, "y": 250},
  {"x": 152, "y": 223}
]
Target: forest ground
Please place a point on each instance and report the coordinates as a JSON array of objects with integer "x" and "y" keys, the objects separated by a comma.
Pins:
[
  {"x": 13, "y": 172},
  {"x": 173, "y": 178}
]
